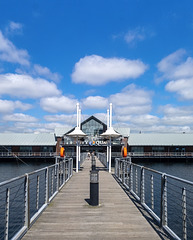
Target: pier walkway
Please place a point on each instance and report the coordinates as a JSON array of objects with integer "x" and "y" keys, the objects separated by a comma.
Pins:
[{"x": 69, "y": 216}]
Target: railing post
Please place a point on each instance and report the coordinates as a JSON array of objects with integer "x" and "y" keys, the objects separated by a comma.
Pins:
[
  {"x": 131, "y": 178},
  {"x": 71, "y": 169},
  {"x": 115, "y": 167},
  {"x": 123, "y": 177},
  {"x": 136, "y": 181},
  {"x": 152, "y": 193},
  {"x": 47, "y": 185},
  {"x": 57, "y": 176},
  {"x": 27, "y": 202},
  {"x": 68, "y": 168},
  {"x": 184, "y": 214},
  {"x": 163, "y": 215},
  {"x": 37, "y": 191},
  {"x": 119, "y": 169},
  {"x": 52, "y": 189},
  {"x": 7, "y": 214},
  {"x": 142, "y": 191}
]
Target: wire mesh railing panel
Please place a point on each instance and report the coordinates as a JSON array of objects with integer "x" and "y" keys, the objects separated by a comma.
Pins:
[
  {"x": 152, "y": 192},
  {"x": 169, "y": 198},
  {"x": 12, "y": 207},
  {"x": 137, "y": 180},
  {"x": 23, "y": 198}
]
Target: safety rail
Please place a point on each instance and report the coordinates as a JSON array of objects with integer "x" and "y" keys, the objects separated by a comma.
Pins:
[
  {"x": 83, "y": 157},
  {"x": 161, "y": 154},
  {"x": 22, "y": 199},
  {"x": 27, "y": 154},
  {"x": 102, "y": 158},
  {"x": 167, "y": 198}
]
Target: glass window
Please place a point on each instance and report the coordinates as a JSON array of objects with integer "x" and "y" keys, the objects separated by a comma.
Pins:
[{"x": 92, "y": 128}]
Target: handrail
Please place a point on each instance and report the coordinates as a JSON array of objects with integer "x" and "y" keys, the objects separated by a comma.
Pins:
[
  {"x": 28, "y": 195},
  {"x": 167, "y": 198},
  {"x": 160, "y": 154},
  {"x": 28, "y": 154}
]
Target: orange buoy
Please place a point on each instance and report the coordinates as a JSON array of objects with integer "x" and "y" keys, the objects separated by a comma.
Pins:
[
  {"x": 124, "y": 152},
  {"x": 62, "y": 152}
]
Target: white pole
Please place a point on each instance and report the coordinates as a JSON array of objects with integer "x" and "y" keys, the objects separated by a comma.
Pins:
[
  {"x": 110, "y": 156},
  {"x": 77, "y": 154},
  {"x": 110, "y": 115},
  {"x": 107, "y": 141}
]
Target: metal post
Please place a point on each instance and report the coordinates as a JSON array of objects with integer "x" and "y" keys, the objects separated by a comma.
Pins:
[
  {"x": 52, "y": 189},
  {"x": 184, "y": 214},
  {"x": 47, "y": 185},
  {"x": 123, "y": 177},
  {"x": 63, "y": 178},
  {"x": 71, "y": 165},
  {"x": 152, "y": 193},
  {"x": 57, "y": 176},
  {"x": 116, "y": 167},
  {"x": 131, "y": 178},
  {"x": 136, "y": 182},
  {"x": 7, "y": 214},
  {"x": 69, "y": 169},
  {"x": 37, "y": 191},
  {"x": 142, "y": 192},
  {"x": 164, "y": 217},
  {"x": 27, "y": 202}
]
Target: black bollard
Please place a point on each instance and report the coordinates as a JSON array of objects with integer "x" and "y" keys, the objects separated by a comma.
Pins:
[
  {"x": 94, "y": 188},
  {"x": 93, "y": 163}
]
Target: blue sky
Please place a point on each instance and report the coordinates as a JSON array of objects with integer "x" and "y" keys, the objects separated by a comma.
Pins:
[{"x": 137, "y": 54}]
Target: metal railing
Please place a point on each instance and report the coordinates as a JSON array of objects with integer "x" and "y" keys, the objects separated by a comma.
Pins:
[
  {"x": 83, "y": 157},
  {"x": 27, "y": 154},
  {"x": 23, "y": 198},
  {"x": 161, "y": 154},
  {"x": 167, "y": 198},
  {"x": 102, "y": 158}
]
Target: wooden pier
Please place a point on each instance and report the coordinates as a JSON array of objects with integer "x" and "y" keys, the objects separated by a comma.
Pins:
[{"x": 69, "y": 216}]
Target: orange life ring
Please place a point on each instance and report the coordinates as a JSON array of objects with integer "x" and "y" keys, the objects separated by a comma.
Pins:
[
  {"x": 62, "y": 152},
  {"x": 124, "y": 152}
]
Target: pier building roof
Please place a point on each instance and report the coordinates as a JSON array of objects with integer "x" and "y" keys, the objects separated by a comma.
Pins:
[
  {"x": 27, "y": 139},
  {"x": 160, "y": 139}
]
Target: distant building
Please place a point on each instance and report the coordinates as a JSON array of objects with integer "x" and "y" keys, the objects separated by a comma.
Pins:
[
  {"x": 141, "y": 145},
  {"x": 27, "y": 145}
]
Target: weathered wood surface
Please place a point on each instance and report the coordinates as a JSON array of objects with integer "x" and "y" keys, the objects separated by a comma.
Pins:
[{"x": 69, "y": 216}]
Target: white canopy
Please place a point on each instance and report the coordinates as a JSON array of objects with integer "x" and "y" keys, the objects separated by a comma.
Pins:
[
  {"x": 110, "y": 132},
  {"x": 77, "y": 133}
]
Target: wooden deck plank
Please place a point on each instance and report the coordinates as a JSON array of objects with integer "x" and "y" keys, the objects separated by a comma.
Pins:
[{"x": 69, "y": 216}]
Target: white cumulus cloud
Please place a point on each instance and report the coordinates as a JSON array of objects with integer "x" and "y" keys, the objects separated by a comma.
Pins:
[
  {"x": 9, "y": 106},
  {"x": 96, "y": 70},
  {"x": 178, "y": 70},
  {"x": 19, "y": 117},
  {"x": 45, "y": 72},
  {"x": 58, "y": 104},
  {"x": 9, "y": 53},
  {"x": 24, "y": 86},
  {"x": 95, "y": 102}
]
